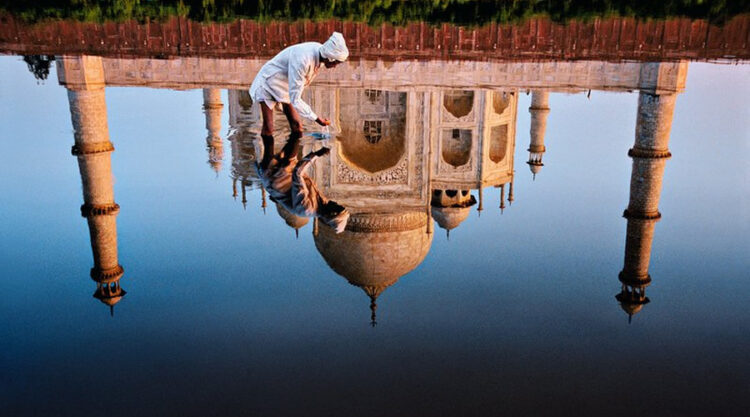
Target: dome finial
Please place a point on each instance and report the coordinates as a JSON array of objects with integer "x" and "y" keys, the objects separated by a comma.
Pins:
[
  {"x": 373, "y": 308},
  {"x": 502, "y": 198},
  {"x": 510, "y": 193},
  {"x": 480, "y": 206}
]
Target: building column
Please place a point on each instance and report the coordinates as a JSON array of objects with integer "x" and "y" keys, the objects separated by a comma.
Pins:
[
  {"x": 84, "y": 79},
  {"x": 650, "y": 153},
  {"x": 244, "y": 125},
  {"x": 212, "y": 106}
]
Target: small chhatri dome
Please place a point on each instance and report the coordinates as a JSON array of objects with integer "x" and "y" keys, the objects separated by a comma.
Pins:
[
  {"x": 109, "y": 298},
  {"x": 109, "y": 294},
  {"x": 215, "y": 165},
  {"x": 451, "y": 207},
  {"x": 535, "y": 167},
  {"x": 629, "y": 308},
  {"x": 452, "y": 198},
  {"x": 449, "y": 218},
  {"x": 632, "y": 300},
  {"x": 292, "y": 220},
  {"x": 376, "y": 249}
]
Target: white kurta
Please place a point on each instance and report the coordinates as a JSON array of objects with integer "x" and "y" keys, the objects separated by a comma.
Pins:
[{"x": 285, "y": 76}]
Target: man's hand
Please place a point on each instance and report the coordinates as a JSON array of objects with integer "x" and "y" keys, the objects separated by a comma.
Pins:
[{"x": 322, "y": 121}]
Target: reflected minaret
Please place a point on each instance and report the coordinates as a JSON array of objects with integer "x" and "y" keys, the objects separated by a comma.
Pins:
[
  {"x": 244, "y": 127},
  {"x": 511, "y": 197},
  {"x": 502, "y": 198},
  {"x": 213, "y": 106},
  {"x": 539, "y": 110},
  {"x": 84, "y": 79},
  {"x": 650, "y": 153}
]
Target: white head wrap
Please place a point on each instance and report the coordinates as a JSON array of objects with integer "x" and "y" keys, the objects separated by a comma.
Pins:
[{"x": 335, "y": 48}]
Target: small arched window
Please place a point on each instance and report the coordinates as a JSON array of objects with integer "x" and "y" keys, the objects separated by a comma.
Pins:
[
  {"x": 375, "y": 97},
  {"x": 500, "y": 101},
  {"x": 498, "y": 143},
  {"x": 456, "y": 146},
  {"x": 373, "y": 130},
  {"x": 458, "y": 102}
]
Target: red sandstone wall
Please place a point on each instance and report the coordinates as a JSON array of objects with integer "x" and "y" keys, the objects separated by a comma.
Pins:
[{"x": 611, "y": 39}]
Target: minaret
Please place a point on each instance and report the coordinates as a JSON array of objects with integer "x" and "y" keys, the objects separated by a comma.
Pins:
[
  {"x": 263, "y": 203},
  {"x": 213, "y": 106},
  {"x": 511, "y": 197},
  {"x": 650, "y": 153},
  {"x": 539, "y": 111},
  {"x": 84, "y": 79},
  {"x": 480, "y": 207},
  {"x": 244, "y": 126},
  {"x": 502, "y": 198}
]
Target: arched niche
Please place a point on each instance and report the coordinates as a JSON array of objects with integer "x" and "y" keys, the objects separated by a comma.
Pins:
[
  {"x": 501, "y": 101},
  {"x": 459, "y": 103},
  {"x": 498, "y": 143},
  {"x": 373, "y": 131},
  {"x": 456, "y": 146},
  {"x": 372, "y": 145}
]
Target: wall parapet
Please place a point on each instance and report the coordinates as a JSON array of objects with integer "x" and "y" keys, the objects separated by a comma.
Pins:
[{"x": 608, "y": 39}]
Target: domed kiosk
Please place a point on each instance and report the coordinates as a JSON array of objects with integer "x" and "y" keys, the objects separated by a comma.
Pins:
[
  {"x": 451, "y": 207},
  {"x": 376, "y": 249},
  {"x": 632, "y": 299},
  {"x": 108, "y": 289},
  {"x": 291, "y": 220}
]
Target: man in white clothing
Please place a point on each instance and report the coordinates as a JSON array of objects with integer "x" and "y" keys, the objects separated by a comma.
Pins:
[{"x": 281, "y": 81}]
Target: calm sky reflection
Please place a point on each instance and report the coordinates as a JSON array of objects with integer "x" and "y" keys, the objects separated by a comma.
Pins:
[{"x": 227, "y": 312}]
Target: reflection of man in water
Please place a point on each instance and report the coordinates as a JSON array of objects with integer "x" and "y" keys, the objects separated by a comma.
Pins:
[
  {"x": 288, "y": 184},
  {"x": 281, "y": 81}
]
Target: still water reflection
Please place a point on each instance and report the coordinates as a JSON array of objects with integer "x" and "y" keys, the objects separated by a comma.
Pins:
[
  {"x": 403, "y": 156},
  {"x": 417, "y": 147}
]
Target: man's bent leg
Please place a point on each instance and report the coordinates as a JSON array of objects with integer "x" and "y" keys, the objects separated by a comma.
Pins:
[
  {"x": 291, "y": 148},
  {"x": 295, "y": 122},
  {"x": 266, "y": 134}
]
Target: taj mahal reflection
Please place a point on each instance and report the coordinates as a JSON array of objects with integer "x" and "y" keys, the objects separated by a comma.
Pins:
[
  {"x": 412, "y": 148},
  {"x": 399, "y": 160}
]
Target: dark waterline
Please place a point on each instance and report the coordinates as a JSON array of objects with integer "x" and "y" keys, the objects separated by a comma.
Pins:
[
  {"x": 371, "y": 12},
  {"x": 227, "y": 313},
  {"x": 608, "y": 38}
]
